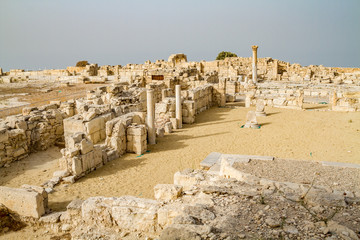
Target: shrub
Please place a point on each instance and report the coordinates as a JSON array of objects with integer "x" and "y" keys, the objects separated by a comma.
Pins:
[
  {"x": 82, "y": 63},
  {"x": 223, "y": 55}
]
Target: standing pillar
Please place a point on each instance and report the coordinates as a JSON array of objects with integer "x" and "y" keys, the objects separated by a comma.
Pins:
[
  {"x": 178, "y": 106},
  {"x": 247, "y": 101},
  {"x": 222, "y": 89},
  {"x": 254, "y": 64},
  {"x": 150, "y": 116},
  {"x": 275, "y": 70}
]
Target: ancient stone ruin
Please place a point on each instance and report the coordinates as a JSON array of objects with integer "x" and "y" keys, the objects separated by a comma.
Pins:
[{"x": 136, "y": 104}]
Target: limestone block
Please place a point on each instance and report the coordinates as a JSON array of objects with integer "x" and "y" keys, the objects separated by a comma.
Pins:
[
  {"x": 167, "y": 192},
  {"x": 26, "y": 110},
  {"x": 139, "y": 148},
  {"x": 61, "y": 173},
  {"x": 17, "y": 133},
  {"x": 25, "y": 202},
  {"x": 21, "y": 124},
  {"x": 95, "y": 137},
  {"x": 76, "y": 166},
  {"x": 184, "y": 179},
  {"x": 160, "y": 132},
  {"x": 59, "y": 130},
  {"x": 185, "y": 112},
  {"x": 109, "y": 126},
  {"x": 73, "y": 125},
  {"x": 51, "y": 218},
  {"x": 107, "y": 117},
  {"x": 161, "y": 108},
  {"x": 188, "y": 120},
  {"x": 139, "y": 117},
  {"x": 4, "y": 136},
  {"x": 279, "y": 101},
  {"x": 136, "y": 130},
  {"x": 167, "y": 213},
  {"x": 88, "y": 116},
  {"x": 18, "y": 152},
  {"x": 95, "y": 125},
  {"x": 127, "y": 212},
  {"x": 98, "y": 159},
  {"x": 70, "y": 179},
  {"x": 72, "y": 140},
  {"x": 168, "y": 127},
  {"x": 87, "y": 161},
  {"x": 86, "y": 146},
  {"x": 40, "y": 190}
]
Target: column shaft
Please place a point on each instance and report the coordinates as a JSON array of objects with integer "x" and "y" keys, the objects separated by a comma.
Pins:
[
  {"x": 150, "y": 121},
  {"x": 178, "y": 106},
  {"x": 254, "y": 64}
]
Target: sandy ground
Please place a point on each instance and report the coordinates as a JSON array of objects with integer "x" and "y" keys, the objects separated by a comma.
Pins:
[
  {"x": 14, "y": 96},
  {"x": 288, "y": 134}
]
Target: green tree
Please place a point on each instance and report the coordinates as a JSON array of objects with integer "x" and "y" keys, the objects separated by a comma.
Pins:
[
  {"x": 82, "y": 63},
  {"x": 223, "y": 55}
]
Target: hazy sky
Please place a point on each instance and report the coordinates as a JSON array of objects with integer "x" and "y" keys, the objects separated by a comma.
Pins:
[{"x": 38, "y": 34}]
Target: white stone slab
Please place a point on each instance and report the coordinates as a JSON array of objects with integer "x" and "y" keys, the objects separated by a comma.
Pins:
[
  {"x": 339, "y": 164},
  {"x": 255, "y": 157},
  {"x": 210, "y": 160},
  {"x": 215, "y": 169}
]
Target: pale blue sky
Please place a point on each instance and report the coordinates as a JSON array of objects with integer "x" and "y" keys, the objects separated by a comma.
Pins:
[{"x": 38, "y": 34}]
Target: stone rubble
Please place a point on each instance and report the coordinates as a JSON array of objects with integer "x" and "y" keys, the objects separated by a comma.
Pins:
[{"x": 227, "y": 205}]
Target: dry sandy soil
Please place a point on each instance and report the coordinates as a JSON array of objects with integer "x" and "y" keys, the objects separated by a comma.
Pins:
[
  {"x": 314, "y": 135},
  {"x": 37, "y": 93}
]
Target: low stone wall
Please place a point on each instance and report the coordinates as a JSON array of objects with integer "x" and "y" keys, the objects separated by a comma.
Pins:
[
  {"x": 199, "y": 100},
  {"x": 35, "y": 130},
  {"x": 126, "y": 133},
  {"x": 81, "y": 156},
  {"x": 123, "y": 134},
  {"x": 194, "y": 101},
  {"x": 345, "y": 101},
  {"x": 90, "y": 123}
]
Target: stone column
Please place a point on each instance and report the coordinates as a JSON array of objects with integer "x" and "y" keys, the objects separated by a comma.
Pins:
[
  {"x": 300, "y": 98},
  {"x": 178, "y": 106},
  {"x": 334, "y": 100},
  {"x": 254, "y": 64},
  {"x": 150, "y": 116},
  {"x": 275, "y": 69},
  {"x": 222, "y": 90},
  {"x": 247, "y": 101}
]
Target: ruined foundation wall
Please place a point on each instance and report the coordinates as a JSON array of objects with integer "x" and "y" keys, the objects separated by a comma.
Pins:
[{"x": 35, "y": 130}]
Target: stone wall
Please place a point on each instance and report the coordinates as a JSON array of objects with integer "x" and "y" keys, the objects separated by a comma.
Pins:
[
  {"x": 35, "y": 130},
  {"x": 126, "y": 133},
  {"x": 81, "y": 156},
  {"x": 345, "y": 101}
]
